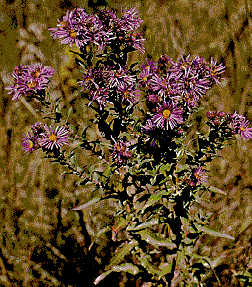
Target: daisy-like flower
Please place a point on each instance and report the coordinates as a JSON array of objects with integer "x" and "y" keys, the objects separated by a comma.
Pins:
[
  {"x": 144, "y": 77},
  {"x": 100, "y": 95},
  {"x": 153, "y": 135},
  {"x": 137, "y": 41},
  {"x": 240, "y": 126},
  {"x": 129, "y": 93},
  {"x": 121, "y": 152},
  {"x": 168, "y": 116},
  {"x": 199, "y": 175},
  {"x": 29, "y": 142},
  {"x": 30, "y": 79},
  {"x": 216, "y": 70},
  {"x": 165, "y": 86},
  {"x": 117, "y": 78},
  {"x": 53, "y": 138},
  {"x": 130, "y": 19}
]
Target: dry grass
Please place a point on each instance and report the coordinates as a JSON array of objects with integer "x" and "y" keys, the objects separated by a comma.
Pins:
[{"x": 43, "y": 242}]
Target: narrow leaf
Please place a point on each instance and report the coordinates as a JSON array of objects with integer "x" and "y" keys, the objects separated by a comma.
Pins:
[
  {"x": 155, "y": 197},
  {"x": 165, "y": 269},
  {"x": 165, "y": 167},
  {"x": 217, "y": 190},
  {"x": 152, "y": 269},
  {"x": 102, "y": 276},
  {"x": 90, "y": 202},
  {"x": 121, "y": 253},
  {"x": 126, "y": 267},
  {"x": 143, "y": 225},
  {"x": 98, "y": 234},
  {"x": 156, "y": 241},
  {"x": 214, "y": 233}
]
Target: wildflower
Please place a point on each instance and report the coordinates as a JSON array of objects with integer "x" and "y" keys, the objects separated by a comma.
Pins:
[
  {"x": 29, "y": 142},
  {"x": 129, "y": 93},
  {"x": 130, "y": 19},
  {"x": 153, "y": 98},
  {"x": 99, "y": 95},
  {"x": 168, "y": 116},
  {"x": 153, "y": 135},
  {"x": 215, "y": 71},
  {"x": 30, "y": 79},
  {"x": 239, "y": 125},
  {"x": 117, "y": 78},
  {"x": 53, "y": 138},
  {"x": 137, "y": 41},
  {"x": 121, "y": 152},
  {"x": 199, "y": 175},
  {"x": 164, "y": 86}
]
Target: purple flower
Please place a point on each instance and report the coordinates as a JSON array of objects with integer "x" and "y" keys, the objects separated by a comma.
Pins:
[
  {"x": 30, "y": 79},
  {"x": 153, "y": 98},
  {"x": 117, "y": 78},
  {"x": 144, "y": 77},
  {"x": 216, "y": 70},
  {"x": 239, "y": 125},
  {"x": 165, "y": 86},
  {"x": 152, "y": 133},
  {"x": 199, "y": 175},
  {"x": 121, "y": 153},
  {"x": 99, "y": 95},
  {"x": 129, "y": 93},
  {"x": 53, "y": 138},
  {"x": 168, "y": 116},
  {"x": 137, "y": 41},
  {"x": 29, "y": 142},
  {"x": 130, "y": 19}
]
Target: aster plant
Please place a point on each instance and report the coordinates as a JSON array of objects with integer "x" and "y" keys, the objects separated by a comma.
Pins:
[{"x": 147, "y": 163}]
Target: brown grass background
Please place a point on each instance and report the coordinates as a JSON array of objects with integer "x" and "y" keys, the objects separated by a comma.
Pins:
[{"x": 42, "y": 241}]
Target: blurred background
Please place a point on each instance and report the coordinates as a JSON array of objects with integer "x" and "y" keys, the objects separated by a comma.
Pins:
[{"x": 42, "y": 241}]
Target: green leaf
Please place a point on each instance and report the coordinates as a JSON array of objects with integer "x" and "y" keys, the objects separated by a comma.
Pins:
[
  {"x": 165, "y": 167},
  {"x": 216, "y": 190},
  {"x": 70, "y": 111},
  {"x": 213, "y": 233},
  {"x": 98, "y": 234},
  {"x": 144, "y": 225},
  {"x": 88, "y": 203},
  {"x": 121, "y": 253},
  {"x": 102, "y": 276},
  {"x": 152, "y": 269},
  {"x": 155, "y": 197},
  {"x": 156, "y": 241},
  {"x": 125, "y": 267},
  {"x": 120, "y": 225},
  {"x": 165, "y": 268}
]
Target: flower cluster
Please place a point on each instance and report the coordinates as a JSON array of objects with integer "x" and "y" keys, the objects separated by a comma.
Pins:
[
  {"x": 237, "y": 123},
  {"x": 110, "y": 84},
  {"x": 49, "y": 138},
  {"x": 30, "y": 79},
  {"x": 102, "y": 29},
  {"x": 174, "y": 89},
  {"x": 121, "y": 152}
]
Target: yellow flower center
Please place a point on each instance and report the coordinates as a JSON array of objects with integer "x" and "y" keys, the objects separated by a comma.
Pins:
[
  {"x": 36, "y": 73},
  {"x": 242, "y": 129},
  {"x": 52, "y": 137},
  {"x": 73, "y": 34},
  {"x": 30, "y": 144},
  {"x": 126, "y": 93},
  {"x": 166, "y": 113},
  {"x": 145, "y": 79},
  {"x": 64, "y": 24},
  {"x": 32, "y": 85}
]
